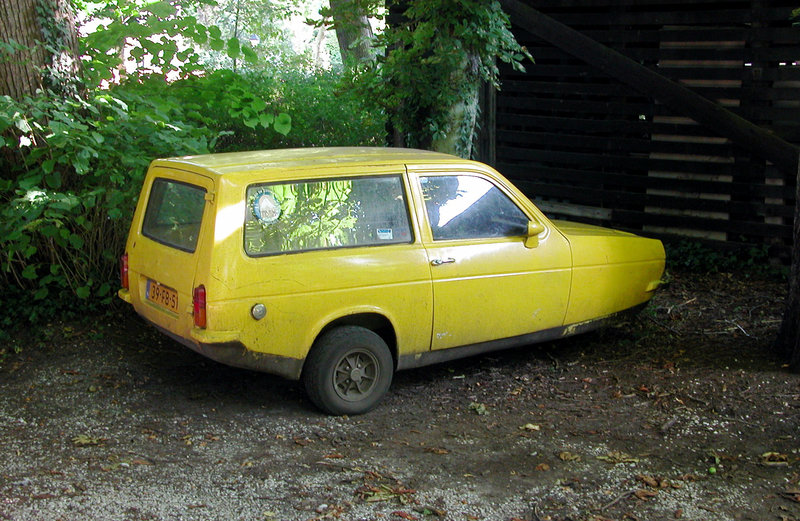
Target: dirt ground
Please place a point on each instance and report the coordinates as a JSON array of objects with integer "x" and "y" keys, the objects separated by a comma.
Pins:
[{"x": 679, "y": 413}]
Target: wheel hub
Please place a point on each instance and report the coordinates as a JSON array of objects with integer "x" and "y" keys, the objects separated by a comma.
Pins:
[{"x": 356, "y": 374}]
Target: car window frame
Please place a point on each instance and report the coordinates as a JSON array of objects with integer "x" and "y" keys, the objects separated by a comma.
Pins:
[
  {"x": 407, "y": 198},
  {"x": 150, "y": 193},
  {"x": 495, "y": 182}
]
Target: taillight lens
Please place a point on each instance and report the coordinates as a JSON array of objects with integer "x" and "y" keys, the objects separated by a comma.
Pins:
[
  {"x": 199, "y": 304},
  {"x": 123, "y": 271}
]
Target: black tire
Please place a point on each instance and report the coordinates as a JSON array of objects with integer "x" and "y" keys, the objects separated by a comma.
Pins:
[{"x": 348, "y": 370}]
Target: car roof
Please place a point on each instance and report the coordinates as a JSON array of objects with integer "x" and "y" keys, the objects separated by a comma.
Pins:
[{"x": 295, "y": 158}]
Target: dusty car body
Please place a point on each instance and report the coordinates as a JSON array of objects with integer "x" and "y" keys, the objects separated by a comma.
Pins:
[{"x": 339, "y": 266}]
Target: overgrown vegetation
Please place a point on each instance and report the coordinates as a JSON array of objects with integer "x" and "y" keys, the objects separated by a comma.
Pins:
[
  {"x": 72, "y": 163},
  {"x": 431, "y": 66},
  {"x": 694, "y": 256}
]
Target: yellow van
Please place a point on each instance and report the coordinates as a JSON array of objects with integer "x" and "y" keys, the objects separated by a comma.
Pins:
[{"x": 339, "y": 266}]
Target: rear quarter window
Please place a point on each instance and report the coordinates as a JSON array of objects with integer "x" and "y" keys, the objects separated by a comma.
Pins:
[
  {"x": 323, "y": 214},
  {"x": 174, "y": 213}
]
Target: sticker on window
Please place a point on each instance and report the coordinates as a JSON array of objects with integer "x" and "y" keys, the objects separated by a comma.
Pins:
[
  {"x": 266, "y": 207},
  {"x": 385, "y": 234}
]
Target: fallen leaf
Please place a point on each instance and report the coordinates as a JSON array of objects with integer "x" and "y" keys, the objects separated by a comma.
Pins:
[
  {"x": 82, "y": 440},
  {"x": 542, "y": 467},
  {"x": 333, "y": 456},
  {"x": 792, "y": 494},
  {"x": 645, "y": 494},
  {"x": 616, "y": 457},
  {"x": 437, "y": 450},
  {"x": 774, "y": 459},
  {"x": 648, "y": 480},
  {"x": 479, "y": 408},
  {"x": 431, "y": 511},
  {"x": 530, "y": 427},
  {"x": 569, "y": 456},
  {"x": 405, "y": 515}
]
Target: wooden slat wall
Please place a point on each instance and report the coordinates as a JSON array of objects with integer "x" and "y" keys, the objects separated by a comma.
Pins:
[{"x": 587, "y": 147}]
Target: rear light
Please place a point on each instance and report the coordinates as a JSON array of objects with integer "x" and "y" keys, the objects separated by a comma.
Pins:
[
  {"x": 199, "y": 305},
  {"x": 123, "y": 271}
]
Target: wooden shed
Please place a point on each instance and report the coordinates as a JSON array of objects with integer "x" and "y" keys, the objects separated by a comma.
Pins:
[{"x": 592, "y": 142}]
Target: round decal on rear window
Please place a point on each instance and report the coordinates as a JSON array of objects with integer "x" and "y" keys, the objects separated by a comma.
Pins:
[{"x": 266, "y": 207}]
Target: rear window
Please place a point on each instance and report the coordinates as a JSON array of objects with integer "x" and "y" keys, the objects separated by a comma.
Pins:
[
  {"x": 313, "y": 215},
  {"x": 174, "y": 214}
]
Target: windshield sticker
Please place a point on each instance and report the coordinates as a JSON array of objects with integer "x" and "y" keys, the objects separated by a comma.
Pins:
[
  {"x": 385, "y": 234},
  {"x": 266, "y": 207}
]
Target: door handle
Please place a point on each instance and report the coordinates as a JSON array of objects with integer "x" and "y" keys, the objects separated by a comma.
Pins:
[{"x": 439, "y": 262}]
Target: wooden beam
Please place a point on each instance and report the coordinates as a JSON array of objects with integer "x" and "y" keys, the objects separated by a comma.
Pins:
[{"x": 682, "y": 100}]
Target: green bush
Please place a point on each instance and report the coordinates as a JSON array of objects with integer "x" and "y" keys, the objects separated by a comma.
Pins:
[
  {"x": 326, "y": 112},
  {"x": 698, "y": 257},
  {"x": 72, "y": 170}
]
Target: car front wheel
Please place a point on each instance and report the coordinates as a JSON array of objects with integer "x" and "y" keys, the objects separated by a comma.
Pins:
[{"x": 348, "y": 370}]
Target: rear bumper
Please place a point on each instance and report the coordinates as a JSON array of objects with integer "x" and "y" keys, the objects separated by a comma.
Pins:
[
  {"x": 224, "y": 347},
  {"x": 235, "y": 354}
]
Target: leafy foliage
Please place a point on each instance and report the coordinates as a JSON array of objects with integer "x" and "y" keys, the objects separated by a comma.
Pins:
[
  {"x": 696, "y": 257},
  {"x": 325, "y": 110},
  {"x": 72, "y": 169},
  {"x": 434, "y": 61}
]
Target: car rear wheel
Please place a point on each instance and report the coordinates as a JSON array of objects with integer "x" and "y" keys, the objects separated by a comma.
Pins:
[{"x": 348, "y": 370}]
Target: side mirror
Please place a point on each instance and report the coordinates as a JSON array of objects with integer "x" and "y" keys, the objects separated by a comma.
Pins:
[{"x": 532, "y": 236}]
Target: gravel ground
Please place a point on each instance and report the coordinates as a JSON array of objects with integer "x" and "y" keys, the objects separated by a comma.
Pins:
[{"x": 680, "y": 413}]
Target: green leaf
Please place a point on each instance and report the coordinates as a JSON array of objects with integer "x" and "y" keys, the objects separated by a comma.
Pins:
[
  {"x": 83, "y": 292},
  {"x": 29, "y": 272},
  {"x": 162, "y": 9},
  {"x": 48, "y": 165},
  {"x": 249, "y": 54},
  {"x": 54, "y": 179},
  {"x": 76, "y": 241},
  {"x": 265, "y": 119},
  {"x": 30, "y": 182},
  {"x": 216, "y": 44},
  {"x": 234, "y": 48},
  {"x": 283, "y": 123},
  {"x": 104, "y": 289},
  {"x": 258, "y": 105}
]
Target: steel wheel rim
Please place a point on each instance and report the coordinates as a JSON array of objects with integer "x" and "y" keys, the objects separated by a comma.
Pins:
[{"x": 356, "y": 375}]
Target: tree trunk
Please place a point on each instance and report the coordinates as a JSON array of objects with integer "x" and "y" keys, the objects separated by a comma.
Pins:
[
  {"x": 788, "y": 341},
  {"x": 462, "y": 119},
  {"x": 47, "y": 44},
  {"x": 352, "y": 30}
]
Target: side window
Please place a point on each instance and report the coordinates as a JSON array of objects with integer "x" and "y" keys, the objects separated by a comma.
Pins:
[
  {"x": 313, "y": 215},
  {"x": 469, "y": 207}
]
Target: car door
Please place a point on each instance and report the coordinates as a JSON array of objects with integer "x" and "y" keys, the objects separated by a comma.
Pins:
[{"x": 487, "y": 283}]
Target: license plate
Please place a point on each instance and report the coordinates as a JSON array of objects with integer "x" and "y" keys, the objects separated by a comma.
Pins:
[{"x": 162, "y": 295}]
